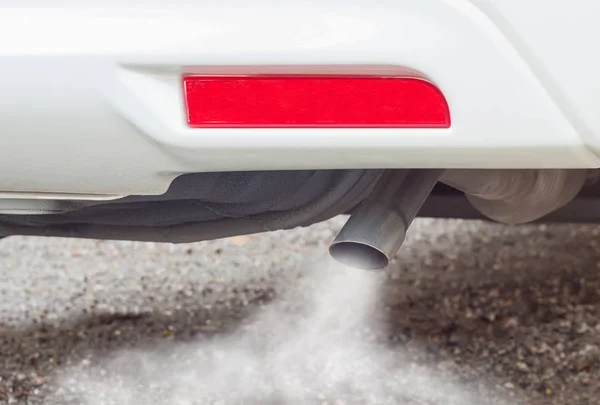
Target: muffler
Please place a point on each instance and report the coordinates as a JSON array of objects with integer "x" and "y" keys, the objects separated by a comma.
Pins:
[
  {"x": 518, "y": 196},
  {"x": 377, "y": 228}
]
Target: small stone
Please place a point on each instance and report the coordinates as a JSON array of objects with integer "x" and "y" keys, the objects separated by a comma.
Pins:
[
  {"x": 38, "y": 381},
  {"x": 522, "y": 366},
  {"x": 549, "y": 372}
]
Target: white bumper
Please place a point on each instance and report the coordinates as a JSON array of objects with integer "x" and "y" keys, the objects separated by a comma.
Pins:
[{"x": 91, "y": 100}]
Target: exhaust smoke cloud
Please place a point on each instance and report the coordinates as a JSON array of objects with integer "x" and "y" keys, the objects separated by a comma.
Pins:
[{"x": 317, "y": 344}]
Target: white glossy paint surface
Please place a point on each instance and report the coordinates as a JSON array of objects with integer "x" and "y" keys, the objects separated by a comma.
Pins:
[{"x": 91, "y": 102}]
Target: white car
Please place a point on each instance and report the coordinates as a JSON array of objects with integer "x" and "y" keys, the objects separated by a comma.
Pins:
[{"x": 182, "y": 122}]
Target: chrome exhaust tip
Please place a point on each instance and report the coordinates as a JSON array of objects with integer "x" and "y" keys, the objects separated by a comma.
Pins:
[
  {"x": 371, "y": 236},
  {"x": 377, "y": 228},
  {"x": 359, "y": 255}
]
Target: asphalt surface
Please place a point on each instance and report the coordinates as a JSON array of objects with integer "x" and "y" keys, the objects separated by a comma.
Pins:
[{"x": 470, "y": 313}]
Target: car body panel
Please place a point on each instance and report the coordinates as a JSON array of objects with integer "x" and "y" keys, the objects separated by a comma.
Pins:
[{"x": 92, "y": 103}]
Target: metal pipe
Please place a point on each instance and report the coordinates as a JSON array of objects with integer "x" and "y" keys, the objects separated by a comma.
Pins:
[
  {"x": 520, "y": 195},
  {"x": 377, "y": 228}
]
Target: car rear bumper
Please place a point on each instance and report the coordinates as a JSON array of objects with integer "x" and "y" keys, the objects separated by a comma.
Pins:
[{"x": 92, "y": 103}]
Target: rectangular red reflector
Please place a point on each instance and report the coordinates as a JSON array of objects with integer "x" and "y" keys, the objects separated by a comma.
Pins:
[{"x": 313, "y": 102}]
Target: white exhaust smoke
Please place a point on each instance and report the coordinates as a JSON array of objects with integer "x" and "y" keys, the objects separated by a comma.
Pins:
[{"x": 317, "y": 345}]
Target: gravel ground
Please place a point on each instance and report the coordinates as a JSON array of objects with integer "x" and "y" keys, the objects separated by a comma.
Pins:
[{"x": 470, "y": 313}]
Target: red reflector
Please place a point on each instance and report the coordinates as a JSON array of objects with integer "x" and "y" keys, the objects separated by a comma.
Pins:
[{"x": 313, "y": 102}]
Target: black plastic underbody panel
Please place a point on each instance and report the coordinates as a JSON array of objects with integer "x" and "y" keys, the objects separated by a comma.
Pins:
[
  {"x": 213, "y": 205},
  {"x": 207, "y": 206}
]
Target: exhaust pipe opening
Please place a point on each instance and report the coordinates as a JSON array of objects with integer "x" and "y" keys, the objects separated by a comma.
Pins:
[
  {"x": 376, "y": 229},
  {"x": 359, "y": 255}
]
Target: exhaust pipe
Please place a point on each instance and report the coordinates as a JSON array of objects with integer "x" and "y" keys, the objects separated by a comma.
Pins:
[{"x": 377, "y": 228}]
